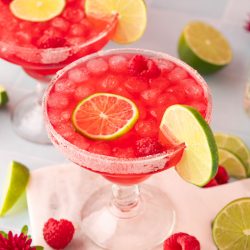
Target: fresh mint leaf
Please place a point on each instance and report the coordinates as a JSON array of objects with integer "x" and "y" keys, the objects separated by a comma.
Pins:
[
  {"x": 5, "y": 235},
  {"x": 25, "y": 230},
  {"x": 39, "y": 248}
]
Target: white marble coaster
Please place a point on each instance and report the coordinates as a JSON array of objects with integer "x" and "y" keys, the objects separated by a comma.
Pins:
[{"x": 60, "y": 191}]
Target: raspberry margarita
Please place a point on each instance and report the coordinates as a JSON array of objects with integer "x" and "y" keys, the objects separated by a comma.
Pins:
[
  {"x": 152, "y": 83},
  {"x": 85, "y": 107},
  {"x": 43, "y": 47}
]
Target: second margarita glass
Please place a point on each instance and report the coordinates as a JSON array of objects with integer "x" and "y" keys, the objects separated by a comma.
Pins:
[{"x": 41, "y": 49}]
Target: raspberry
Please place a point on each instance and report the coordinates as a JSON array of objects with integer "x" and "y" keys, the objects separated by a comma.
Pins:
[
  {"x": 143, "y": 67},
  {"x": 181, "y": 241},
  {"x": 52, "y": 42},
  {"x": 152, "y": 70},
  {"x": 222, "y": 176},
  {"x": 137, "y": 64},
  {"x": 58, "y": 234},
  {"x": 147, "y": 146},
  {"x": 212, "y": 183}
]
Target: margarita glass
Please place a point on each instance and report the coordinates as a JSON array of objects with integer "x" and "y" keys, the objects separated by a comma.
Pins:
[
  {"x": 42, "y": 48},
  {"x": 121, "y": 218}
]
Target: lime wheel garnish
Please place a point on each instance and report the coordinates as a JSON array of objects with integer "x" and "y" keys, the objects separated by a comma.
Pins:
[
  {"x": 104, "y": 116},
  {"x": 37, "y": 10},
  {"x": 132, "y": 17},
  {"x": 184, "y": 124}
]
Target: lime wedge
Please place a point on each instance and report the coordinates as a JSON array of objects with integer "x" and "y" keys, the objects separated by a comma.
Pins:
[
  {"x": 204, "y": 48},
  {"x": 104, "y": 116},
  {"x": 3, "y": 96},
  {"x": 231, "y": 226},
  {"x": 132, "y": 17},
  {"x": 17, "y": 181},
  {"x": 199, "y": 162},
  {"x": 37, "y": 10},
  {"x": 234, "y": 166},
  {"x": 235, "y": 145}
]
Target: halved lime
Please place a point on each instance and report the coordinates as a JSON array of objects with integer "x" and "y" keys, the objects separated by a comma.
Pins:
[
  {"x": 232, "y": 163},
  {"x": 199, "y": 162},
  {"x": 37, "y": 10},
  {"x": 17, "y": 181},
  {"x": 235, "y": 145},
  {"x": 3, "y": 96},
  {"x": 105, "y": 116},
  {"x": 132, "y": 17},
  {"x": 231, "y": 226},
  {"x": 204, "y": 48}
]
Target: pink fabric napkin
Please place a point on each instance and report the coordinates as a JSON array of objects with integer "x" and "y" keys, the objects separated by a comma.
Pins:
[{"x": 60, "y": 191}]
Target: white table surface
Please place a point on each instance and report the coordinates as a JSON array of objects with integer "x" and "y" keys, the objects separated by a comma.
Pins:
[{"x": 166, "y": 20}]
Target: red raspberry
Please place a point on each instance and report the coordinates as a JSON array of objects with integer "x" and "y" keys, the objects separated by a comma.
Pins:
[
  {"x": 147, "y": 146},
  {"x": 152, "y": 70},
  {"x": 247, "y": 25},
  {"x": 181, "y": 241},
  {"x": 212, "y": 183},
  {"x": 222, "y": 176},
  {"x": 52, "y": 42},
  {"x": 137, "y": 64},
  {"x": 143, "y": 67},
  {"x": 58, "y": 234}
]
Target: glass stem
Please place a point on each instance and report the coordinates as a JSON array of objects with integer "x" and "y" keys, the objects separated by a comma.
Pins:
[
  {"x": 40, "y": 89},
  {"x": 126, "y": 202}
]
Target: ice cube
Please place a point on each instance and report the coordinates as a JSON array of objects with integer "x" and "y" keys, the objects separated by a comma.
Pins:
[
  {"x": 23, "y": 37},
  {"x": 78, "y": 75},
  {"x": 97, "y": 66},
  {"x": 60, "y": 24},
  {"x": 58, "y": 116},
  {"x": 192, "y": 89},
  {"x": 109, "y": 82},
  {"x": 58, "y": 101},
  {"x": 66, "y": 130},
  {"x": 118, "y": 64},
  {"x": 74, "y": 15},
  {"x": 135, "y": 85},
  {"x": 146, "y": 128},
  {"x": 78, "y": 30},
  {"x": 84, "y": 91},
  {"x": 165, "y": 65},
  {"x": 150, "y": 96},
  {"x": 51, "y": 56},
  {"x": 65, "y": 85},
  {"x": 177, "y": 74}
]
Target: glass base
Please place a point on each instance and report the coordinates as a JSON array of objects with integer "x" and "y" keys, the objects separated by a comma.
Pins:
[
  {"x": 27, "y": 120},
  {"x": 146, "y": 227}
]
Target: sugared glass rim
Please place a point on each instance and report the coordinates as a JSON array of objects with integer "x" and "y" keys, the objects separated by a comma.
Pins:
[
  {"x": 112, "y": 159},
  {"x": 110, "y": 26}
]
